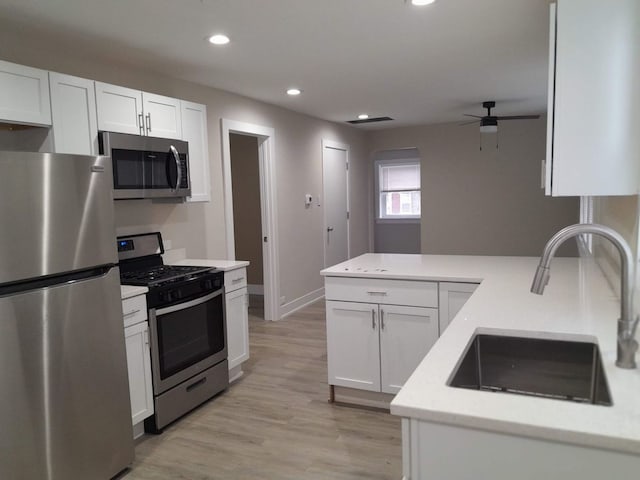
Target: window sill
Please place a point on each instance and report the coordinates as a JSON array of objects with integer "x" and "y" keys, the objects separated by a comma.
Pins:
[{"x": 398, "y": 220}]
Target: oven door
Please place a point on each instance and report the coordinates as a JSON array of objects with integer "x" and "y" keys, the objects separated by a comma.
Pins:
[{"x": 186, "y": 339}]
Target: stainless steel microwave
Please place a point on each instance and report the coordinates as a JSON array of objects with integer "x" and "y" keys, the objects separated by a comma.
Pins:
[{"x": 147, "y": 167}]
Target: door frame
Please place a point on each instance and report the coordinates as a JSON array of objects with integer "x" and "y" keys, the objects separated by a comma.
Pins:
[
  {"x": 268, "y": 210},
  {"x": 336, "y": 146}
]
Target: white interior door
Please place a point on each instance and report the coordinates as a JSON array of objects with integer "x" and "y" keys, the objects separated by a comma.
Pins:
[{"x": 335, "y": 171}]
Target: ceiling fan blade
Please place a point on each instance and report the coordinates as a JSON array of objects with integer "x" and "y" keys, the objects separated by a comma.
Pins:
[
  {"x": 468, "y": 123},
  {"x": 519, "y": 117},
  {"x": 469, "y": 115}
]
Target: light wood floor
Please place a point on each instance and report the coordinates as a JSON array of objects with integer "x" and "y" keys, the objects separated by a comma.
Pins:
[{"x": 275, "y": 422}]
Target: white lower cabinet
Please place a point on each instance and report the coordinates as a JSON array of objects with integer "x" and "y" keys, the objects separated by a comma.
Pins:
[
  {"x": 376, "y": 347},
  {"x": 379, "y": 330},
  {"x": 453, "y": 296},
  {"x": 432, "y": 450},
  {"x": 139, "y": 367},
  {"x": 236, "y": 301},
  {"x": 136, "y": 335},
  {"x": 237, "y": 326}
]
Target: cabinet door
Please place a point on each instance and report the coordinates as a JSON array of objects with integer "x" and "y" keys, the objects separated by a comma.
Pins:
[
  {"x": 406, "y": 335},
  {"x": 119, "y": 109},
  {"x": 194, "y": 131},
  {"x": 596, "y": 146},
  {"x": 353, "y": 348},
  {"x": 237, "y": 318},
  {"x": 73, "y": 111},
  {"x": 452, "y": 297},
  {"x": 162, "y": 116},
  {"x": 24, "y": 95},
  {"x": 139, "y": 367}
]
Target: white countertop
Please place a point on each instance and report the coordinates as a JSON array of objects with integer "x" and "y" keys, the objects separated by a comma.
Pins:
[
  {"x": 224, "y": 265},
  {"x": 128, "y": 291},
  {"x": 577, "y": 304}
]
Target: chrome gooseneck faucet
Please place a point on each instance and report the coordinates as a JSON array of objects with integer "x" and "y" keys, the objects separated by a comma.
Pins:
[{"x": 627, "y": 345}]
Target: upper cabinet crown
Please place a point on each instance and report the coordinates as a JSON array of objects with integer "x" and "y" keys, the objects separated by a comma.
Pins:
[
  {"x": 24, "y": 95},
  {"x": 593, "y": 145},
  {"x": 126, "y": 110}
]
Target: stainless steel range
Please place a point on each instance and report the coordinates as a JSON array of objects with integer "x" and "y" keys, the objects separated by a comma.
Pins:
[{"x": 187, "y": 327}]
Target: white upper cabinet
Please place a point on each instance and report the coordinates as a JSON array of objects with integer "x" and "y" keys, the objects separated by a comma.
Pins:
[
  {"x": 194, "y": 131},
  {"x": 593, "y": 142},
  {"x": 73, "y": 111},
  {"x": 119, "y": 109},
  {"x": 162, "y": 116},
  {"x": 126, "y": 110},
  {"x": 24, "y": 95}
]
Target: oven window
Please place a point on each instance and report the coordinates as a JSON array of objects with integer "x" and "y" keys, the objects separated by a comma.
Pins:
[{"x": 187, "y": 336}]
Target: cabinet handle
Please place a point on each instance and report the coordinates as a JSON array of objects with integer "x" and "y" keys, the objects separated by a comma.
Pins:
[
  {"x": 373, "y": 292},
  {"x": 141, "y": 123},
  {"x": 236, "y": 280},
  {"x": 382, "y": 319},
  {"x": 146, "y": 337},
  {"x": 373, "y": 319},
  {"x": 132, "y": 312},
  {"x": 148, "y": 122}
]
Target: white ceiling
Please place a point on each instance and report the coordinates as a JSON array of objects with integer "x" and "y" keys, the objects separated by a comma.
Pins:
[{"x": 383, "y": 57}]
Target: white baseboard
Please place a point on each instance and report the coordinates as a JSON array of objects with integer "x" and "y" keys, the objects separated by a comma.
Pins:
[
  {"x": 255, "y": 289},
  {"x": 365, "y": 398},
  {"x": 298, "y": 303}
]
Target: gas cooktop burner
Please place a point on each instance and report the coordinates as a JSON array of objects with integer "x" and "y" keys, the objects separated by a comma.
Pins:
[{"x": 161, "y": 274}]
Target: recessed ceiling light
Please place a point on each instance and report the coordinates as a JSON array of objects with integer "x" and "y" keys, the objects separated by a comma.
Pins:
[
  {"x": 363, "y": 116},
  {"x": 420, "y": 3},
  {"x": 294, "y": 91},
  {"x": 219, "y": 39}
]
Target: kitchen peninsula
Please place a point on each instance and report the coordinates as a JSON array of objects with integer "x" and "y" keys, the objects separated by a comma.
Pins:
[{"x": 500, "y": 432}]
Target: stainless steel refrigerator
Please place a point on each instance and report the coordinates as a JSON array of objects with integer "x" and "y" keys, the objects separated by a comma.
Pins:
[{"x": 64, "y": 393}]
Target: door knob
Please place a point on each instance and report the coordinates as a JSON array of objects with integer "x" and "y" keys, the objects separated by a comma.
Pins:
[{"x": 329, "y": 229}]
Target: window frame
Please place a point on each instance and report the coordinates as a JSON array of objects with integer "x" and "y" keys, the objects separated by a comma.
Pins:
[{"x": 377, "y": 192}]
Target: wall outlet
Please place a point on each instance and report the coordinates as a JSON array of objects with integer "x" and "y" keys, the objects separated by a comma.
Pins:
[{"x": 166, "y": 243}]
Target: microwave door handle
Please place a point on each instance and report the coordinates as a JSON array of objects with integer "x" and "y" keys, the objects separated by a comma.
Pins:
[{"x": 176, "y": 157}]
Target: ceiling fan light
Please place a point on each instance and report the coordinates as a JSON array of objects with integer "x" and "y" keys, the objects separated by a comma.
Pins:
[{"x": 488, "y": 128}]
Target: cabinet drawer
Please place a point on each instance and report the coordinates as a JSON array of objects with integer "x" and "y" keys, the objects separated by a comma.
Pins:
[
  {"x": 382, "y": 291},
  {"x": 134, "y": 310},
  {"x": 235, "y": 279}
]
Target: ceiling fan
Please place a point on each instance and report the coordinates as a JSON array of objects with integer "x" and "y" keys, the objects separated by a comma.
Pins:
[{"x": 489, "y": 123}]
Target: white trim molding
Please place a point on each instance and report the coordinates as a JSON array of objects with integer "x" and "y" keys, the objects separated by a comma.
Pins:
[
  {"x": 268, "y": 204},
  {"x": 303, "y": 301}
]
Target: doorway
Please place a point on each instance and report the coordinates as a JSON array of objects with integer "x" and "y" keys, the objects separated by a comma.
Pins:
[
  {"x": 247, "y": 222},
  {"x": 335, "y": 181},
  {"x": 244, "y": 137}
]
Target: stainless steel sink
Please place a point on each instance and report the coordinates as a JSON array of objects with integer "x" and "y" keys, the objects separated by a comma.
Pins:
[{"x": 558, "y": 369}]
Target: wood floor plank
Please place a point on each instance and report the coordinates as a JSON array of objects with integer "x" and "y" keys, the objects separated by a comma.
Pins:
[{"x": 275, "y": 422}]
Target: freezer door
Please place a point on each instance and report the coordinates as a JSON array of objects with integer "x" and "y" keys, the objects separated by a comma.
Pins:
[
  {"x": 56, "y": 214},
  {"x": 64, "y": 392}
]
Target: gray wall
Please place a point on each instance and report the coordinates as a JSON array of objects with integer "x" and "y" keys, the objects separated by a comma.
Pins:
[
  {"x": 247, "y": 222},
  {"x": 397, "y": 238},
  {"x": 485, "y": 202}
]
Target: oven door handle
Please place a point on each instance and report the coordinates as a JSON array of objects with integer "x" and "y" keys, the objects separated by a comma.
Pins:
[{"x": 192, "y": 303}]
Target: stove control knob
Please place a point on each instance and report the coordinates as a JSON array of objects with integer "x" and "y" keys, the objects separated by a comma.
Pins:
[
  {"x": 168, "y": 296},
  {"x": 178, "y": 294},
  {"x": 208, "y": 285}
]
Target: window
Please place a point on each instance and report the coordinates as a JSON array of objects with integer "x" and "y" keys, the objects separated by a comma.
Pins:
[{"x": 398, "y": 189}]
